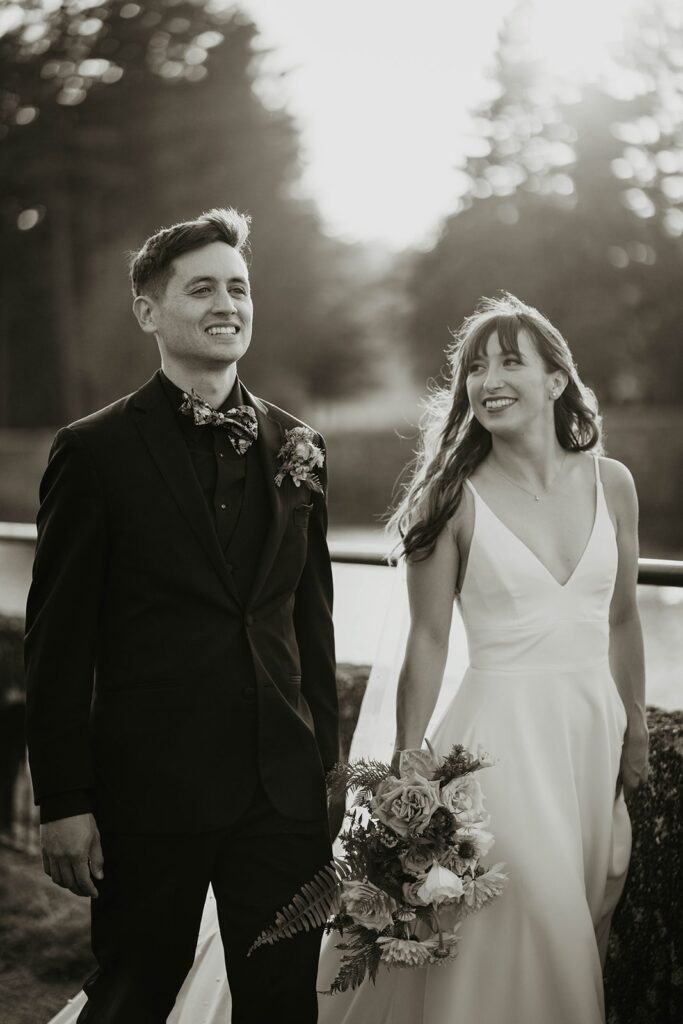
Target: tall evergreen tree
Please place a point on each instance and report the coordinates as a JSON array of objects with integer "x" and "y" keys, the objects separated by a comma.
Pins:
[{"x": 548, "y": 217}]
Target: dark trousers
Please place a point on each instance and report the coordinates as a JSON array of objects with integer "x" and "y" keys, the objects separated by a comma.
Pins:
[{"x": 146, "y": 919}]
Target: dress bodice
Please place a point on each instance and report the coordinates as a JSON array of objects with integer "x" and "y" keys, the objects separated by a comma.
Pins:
[{"x": 517, "y": 616}]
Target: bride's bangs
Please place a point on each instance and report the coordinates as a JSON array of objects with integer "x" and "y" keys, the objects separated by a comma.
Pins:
[
  {"x": 508, "y": 328},
  {"x": 475, "y": 343}
]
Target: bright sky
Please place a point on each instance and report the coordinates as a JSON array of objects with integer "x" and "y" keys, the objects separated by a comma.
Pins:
[{"x": 381, "y": 91}]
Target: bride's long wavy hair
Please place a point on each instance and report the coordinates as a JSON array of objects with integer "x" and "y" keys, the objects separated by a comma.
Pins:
[{"x": 453, "y": 443}]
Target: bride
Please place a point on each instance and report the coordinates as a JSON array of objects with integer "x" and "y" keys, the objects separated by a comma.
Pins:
[
  {"x": 537, "y": 540},
  {"x": 513, "y": 512}
]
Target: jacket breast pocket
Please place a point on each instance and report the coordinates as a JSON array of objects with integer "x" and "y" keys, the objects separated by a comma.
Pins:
[{"x": 302, "y": 514}]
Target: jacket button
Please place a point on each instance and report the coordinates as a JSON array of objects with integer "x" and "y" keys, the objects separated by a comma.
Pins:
[{"x": 249, "y": 619}]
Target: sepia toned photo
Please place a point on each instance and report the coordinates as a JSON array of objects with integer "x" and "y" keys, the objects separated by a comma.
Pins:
[{"x": 341, "y": 491}]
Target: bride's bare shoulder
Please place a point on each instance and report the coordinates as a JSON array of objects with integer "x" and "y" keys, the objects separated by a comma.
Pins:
[
  {"x": 620, "y": 490},
  {"x": 615, "y": 474}
]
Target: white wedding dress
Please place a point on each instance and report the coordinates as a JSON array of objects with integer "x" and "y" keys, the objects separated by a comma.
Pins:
[{"x": 538, "y": 694}]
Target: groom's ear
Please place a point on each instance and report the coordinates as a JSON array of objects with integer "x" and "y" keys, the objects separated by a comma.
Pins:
[{"x": 145, "y": 310}]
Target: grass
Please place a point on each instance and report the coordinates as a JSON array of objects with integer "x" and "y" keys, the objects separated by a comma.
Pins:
[{"x": 45, "y": 941}]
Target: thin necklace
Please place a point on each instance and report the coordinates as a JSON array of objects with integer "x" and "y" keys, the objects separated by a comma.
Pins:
[{"x": 531, "y": 494}]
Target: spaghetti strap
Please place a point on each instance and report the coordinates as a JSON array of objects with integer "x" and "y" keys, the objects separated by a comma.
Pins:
[{"x": 601, "y": 497}]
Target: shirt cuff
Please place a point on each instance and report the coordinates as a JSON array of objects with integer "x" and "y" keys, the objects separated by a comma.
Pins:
[{"x": 65, "y": 805}]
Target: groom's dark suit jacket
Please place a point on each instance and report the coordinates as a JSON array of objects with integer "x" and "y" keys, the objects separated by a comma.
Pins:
[{"x": 165, "y": 673}]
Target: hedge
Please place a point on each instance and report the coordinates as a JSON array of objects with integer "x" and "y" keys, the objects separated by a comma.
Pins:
[{"x": 644, "y": 972}]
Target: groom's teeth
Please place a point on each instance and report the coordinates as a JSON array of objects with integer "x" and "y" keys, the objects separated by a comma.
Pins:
[{"x": 223, "y": 330}]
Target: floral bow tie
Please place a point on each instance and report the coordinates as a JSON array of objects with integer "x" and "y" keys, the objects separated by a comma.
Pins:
[{"x": 240, "y": 422}]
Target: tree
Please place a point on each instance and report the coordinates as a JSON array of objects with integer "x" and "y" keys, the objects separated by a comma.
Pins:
[
  {"x": 118, "y": 119},
  {"x": 550, "y": 216}
]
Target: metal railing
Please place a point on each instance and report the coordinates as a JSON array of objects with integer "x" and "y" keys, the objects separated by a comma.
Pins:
[{"x": 656, "y": 572}]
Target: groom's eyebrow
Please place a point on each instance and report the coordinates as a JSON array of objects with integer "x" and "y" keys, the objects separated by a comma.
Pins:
[{"x": 238, "y": 279}]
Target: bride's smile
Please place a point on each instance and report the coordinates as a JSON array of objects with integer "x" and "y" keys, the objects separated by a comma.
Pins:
[{"x": 508, "y": 387}]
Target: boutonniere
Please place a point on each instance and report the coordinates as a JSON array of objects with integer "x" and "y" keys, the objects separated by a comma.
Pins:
[{"x": 299, "y": 456}]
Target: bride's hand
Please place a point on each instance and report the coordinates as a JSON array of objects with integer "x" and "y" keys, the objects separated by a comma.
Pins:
[{"x": 633, "y": 769}]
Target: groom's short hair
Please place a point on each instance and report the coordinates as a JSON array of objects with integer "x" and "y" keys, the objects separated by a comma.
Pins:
[{"x": 151, "y": 266}]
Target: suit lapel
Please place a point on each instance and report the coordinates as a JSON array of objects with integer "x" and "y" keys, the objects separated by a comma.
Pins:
[
  {"x": 270, "y": 440},
  {"x": 155, "y": 421}
]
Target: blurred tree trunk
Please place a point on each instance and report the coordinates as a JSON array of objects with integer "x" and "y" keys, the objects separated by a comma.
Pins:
[
  {"x": 5, "y": 371},
  {"x": 64, "y": 304}
]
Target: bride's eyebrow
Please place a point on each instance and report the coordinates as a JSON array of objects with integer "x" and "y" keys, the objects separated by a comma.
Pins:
[{"x": 478, "y": 357}]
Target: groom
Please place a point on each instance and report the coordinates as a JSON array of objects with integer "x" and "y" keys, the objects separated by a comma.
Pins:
[{"x": 182, "y": 706}]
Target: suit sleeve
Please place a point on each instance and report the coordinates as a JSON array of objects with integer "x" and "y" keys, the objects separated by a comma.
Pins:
[
  {"x": 315, "y": 630},
  {"x": 62, "y": 619}
]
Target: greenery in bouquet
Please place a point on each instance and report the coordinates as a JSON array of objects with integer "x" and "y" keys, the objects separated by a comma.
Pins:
[{"x": 411, "y": 868}]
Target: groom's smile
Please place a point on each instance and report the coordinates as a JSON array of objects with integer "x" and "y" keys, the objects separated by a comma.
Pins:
[
  {"x": 203, "y": 316},
  {"x": 225, "y": 329}
]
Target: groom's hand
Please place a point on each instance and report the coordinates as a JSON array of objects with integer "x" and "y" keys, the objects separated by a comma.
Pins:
[{"x": 72, "y": 853}]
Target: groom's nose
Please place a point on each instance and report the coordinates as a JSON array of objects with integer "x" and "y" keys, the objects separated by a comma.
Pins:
[{"x": 223, "y": 301}]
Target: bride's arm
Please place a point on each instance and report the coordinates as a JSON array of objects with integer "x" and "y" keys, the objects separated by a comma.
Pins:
[
  {"x": 431, "y": 591},
  {"x": 626, "y": 654}
]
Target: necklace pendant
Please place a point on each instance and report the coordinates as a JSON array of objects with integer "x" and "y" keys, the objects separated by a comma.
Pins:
[{"x": 536, "y": 497}]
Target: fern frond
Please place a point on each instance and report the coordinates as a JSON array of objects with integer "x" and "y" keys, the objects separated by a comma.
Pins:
[
  {"x": 353, "y": 969},
  {"x": 374, "y": 960},
  {"x": 373, "y": 899},
  {"x": 357, "y": 863},
  {"x": 360, "y": 774},
  {"x": 459, "y": 761},
  {"x": 310, "y": 907}
]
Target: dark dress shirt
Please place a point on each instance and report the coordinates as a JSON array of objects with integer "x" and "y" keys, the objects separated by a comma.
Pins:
[{"x": 220, "y": 470}]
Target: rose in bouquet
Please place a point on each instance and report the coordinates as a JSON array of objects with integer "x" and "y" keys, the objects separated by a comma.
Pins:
[{"x": 411, "y": 867}]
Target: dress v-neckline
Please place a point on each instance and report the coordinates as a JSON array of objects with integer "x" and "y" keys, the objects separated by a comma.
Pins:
[{"x": 525, "y": 546}]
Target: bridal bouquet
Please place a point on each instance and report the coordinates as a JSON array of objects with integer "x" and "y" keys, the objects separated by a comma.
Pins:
[{"x": 411, "y": 866}]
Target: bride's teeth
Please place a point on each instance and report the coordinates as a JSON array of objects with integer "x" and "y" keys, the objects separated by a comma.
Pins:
[{"x": 499, "y": 403}]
